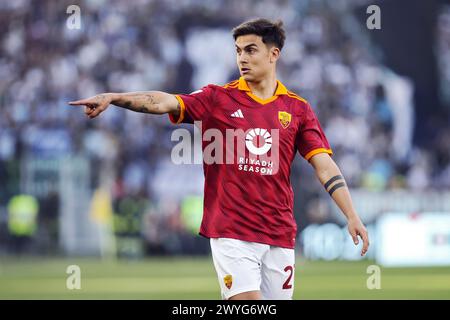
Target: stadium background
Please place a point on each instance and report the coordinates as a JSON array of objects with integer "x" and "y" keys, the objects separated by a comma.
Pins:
[{"x": 104, "y": 194}]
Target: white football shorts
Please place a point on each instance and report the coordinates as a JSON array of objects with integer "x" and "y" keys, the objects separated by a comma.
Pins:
[{"x": 243, "y": 266}]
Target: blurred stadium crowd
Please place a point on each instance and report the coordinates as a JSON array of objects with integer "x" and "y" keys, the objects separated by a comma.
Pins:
[{"x": 367, "y": 111}]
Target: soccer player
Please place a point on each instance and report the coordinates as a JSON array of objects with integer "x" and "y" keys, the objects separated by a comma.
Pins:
[{"x": 248, "y": 203}]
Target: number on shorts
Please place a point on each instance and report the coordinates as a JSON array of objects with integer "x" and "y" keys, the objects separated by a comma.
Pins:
[{"x": 286, "y": 284}]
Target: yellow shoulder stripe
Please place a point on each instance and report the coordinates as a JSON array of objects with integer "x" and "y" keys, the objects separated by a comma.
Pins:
[
  {"x": 293, "y": 95},
  {"x": 232, "y": 84}
]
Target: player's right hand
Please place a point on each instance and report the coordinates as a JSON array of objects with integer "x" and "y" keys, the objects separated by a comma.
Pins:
[{"x": 94, "y": 105}]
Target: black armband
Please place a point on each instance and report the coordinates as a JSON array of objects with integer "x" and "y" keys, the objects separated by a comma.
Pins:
[
  {"x": 329, "y": 182},
  {"x": 335, "y": 187}
]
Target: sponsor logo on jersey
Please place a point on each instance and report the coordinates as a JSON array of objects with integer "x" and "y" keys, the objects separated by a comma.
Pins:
[
  {"x": 237, "y": 114},
  {"x": 259, "y": 142},
  {"x": 262, "y": 134},
  {"x": 255, "y": 150}
]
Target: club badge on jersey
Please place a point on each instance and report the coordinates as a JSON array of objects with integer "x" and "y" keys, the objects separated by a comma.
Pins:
[
  {"x": 228, "y": 280},
  {"x": 284, "y": 118}
]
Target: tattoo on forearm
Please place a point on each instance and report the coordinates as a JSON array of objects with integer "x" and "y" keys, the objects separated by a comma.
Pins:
[
  {"x": 329, "y": 182},
  {"x": 336, "y": 186},
  {"x": 140, "y": 103},
  {"x": 142, "y": 109},
  {"x": 150, "y": 99},
  {"x": 127, "y": 105}
]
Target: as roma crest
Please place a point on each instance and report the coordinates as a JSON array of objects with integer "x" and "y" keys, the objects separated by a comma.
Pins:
[
  {"x": 284, "y": 118},
  {"x": 228, "y": 279}
]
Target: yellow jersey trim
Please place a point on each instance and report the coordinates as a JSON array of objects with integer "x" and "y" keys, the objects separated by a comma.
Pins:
[
  {"x": 183, "y": 108},
  {"x": 295, "y": 96},
  {"x": 312, "y": 153},
  {"x": 232, "y": 84},
  {"x": 243, "y": 86}
]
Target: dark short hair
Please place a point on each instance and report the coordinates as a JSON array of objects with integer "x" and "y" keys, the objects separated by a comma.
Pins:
[{"x": 271, "y": 32}]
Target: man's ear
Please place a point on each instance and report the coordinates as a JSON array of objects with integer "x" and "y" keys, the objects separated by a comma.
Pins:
[{"x": 274, "y": 54}]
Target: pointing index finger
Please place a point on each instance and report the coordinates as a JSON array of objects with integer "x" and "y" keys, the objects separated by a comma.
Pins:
[{"x": 79, "y": 102}]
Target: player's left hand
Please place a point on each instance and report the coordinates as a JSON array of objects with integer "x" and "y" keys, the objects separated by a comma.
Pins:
[{"x": 356, "y": 228}]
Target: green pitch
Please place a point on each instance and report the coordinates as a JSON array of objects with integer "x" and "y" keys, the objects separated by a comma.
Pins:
[{"x": 194, "y": 278}]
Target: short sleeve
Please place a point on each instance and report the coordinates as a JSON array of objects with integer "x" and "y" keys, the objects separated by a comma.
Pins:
[
  {"x": 195, "y": 106},
  {"x": 311, "y": 139}
]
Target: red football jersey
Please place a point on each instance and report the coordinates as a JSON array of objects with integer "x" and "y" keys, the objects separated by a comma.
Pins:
[{"x": 248, "y": 193}]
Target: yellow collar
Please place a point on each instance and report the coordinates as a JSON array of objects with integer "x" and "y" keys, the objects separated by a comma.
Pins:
[{"x": 243, "y": 86}]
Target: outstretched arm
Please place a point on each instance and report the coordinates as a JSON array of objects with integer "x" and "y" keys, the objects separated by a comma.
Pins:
[
  {"x": 154, "y": 102},
  {"x": 331, "y": 177}
]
